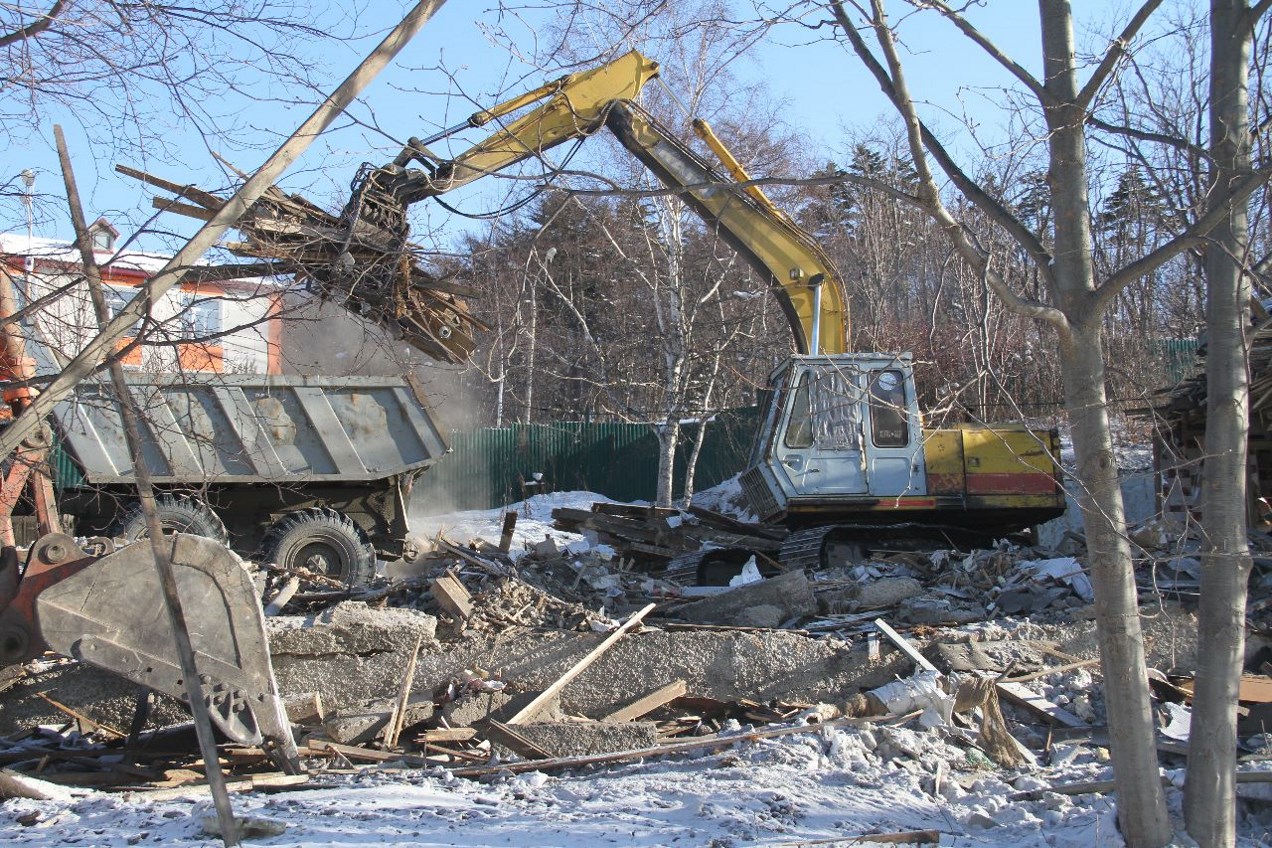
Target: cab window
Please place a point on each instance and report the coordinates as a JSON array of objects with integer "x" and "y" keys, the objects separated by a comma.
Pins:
[
  {"x": 799, "y": 428},
  {"x": 889, "y": 422}
]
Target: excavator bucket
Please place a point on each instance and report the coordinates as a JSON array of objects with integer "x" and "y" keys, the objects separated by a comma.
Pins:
[{"x": 109, "y": 612}]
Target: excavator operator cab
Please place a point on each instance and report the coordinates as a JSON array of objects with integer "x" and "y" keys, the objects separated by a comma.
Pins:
[{"x": 837, "y": 426}]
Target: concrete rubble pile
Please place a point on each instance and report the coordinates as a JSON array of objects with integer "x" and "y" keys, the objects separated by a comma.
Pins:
[{"x": 484, "y": 660}]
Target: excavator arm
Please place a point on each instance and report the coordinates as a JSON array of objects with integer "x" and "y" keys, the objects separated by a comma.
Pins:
[
  {"x": 573, "y": 107},
  {"x": 797, "y": 270}
]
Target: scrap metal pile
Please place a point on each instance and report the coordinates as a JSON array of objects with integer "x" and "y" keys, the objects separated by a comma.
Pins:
[{"x": 357, "y": 260}]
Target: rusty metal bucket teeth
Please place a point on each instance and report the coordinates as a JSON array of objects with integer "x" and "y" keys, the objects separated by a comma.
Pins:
[{"x": 111, "y": 614}]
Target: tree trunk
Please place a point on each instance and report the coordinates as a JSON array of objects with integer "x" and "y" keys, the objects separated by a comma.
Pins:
[
  {"x": 691, "y": 467},
  {"x": 668, "y": 438},
  {"x": 1210, "y": 797},
  {"x": 1141, "y": 803}
]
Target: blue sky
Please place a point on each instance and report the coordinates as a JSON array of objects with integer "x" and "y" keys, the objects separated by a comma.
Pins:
[{"x": 824, "y": 90}]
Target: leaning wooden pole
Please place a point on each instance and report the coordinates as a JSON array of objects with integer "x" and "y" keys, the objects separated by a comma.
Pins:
[
  {"x": 171, "y": 274},
  {"x": 146, "y": 494}
]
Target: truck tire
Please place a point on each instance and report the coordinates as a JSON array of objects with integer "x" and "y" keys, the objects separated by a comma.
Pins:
[
  {"x": 321, "y": 541},
  {"x": 177, "y": 514}
]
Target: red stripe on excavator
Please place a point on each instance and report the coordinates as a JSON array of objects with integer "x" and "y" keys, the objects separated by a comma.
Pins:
[{"x": 1023, "y": 483}]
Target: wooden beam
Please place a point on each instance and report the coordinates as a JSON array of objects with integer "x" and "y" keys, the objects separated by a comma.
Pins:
[
  {"x": 1059, "y": 669},
  {"x": 394, "y": 728},
  {"x": 503, "y": 734},
  {"x": 532, "y": 710},
  {"x": 648, "y": 703},
  {"x": 189, "y": 210},
  {"x": 447, "y": 734},
  {"x": 452, "y": 596},
  {"x": 1024, "y": 697},
  {"x": 904, "y": 646},
  {"x": 701, "y": 744}
]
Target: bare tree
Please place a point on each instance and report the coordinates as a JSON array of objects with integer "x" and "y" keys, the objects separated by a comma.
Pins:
[
  {"x": 128, "y": 71},
  {"x": 1210, "y": 798},
  {"x": 1074, "y": 303}
]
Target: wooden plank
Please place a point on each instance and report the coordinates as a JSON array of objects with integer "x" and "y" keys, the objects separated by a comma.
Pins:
[
  {"x": 1038, "y": 705},
  {"x": 1059, "y": 669},
  {"x": 904, "y": 646},
  {"x": 1254, "y": 688},
  {"x": 531, "y": 710},
  {"x": 648, "y": 703},
  {"x": 447, "y": 734},
  {"x": 394, "y": 727},
  {"x": 699, "y": 744},
  {"x": 204, "y": 198},
  {"x": 724, "y": 522},
  {"x": 86, "y": 723},
  {"x": 452, "y": 596},
  {"x": 509, "y": 525},
  {"x": 353, "y": 753},
  {"x": 907, "y": 837},
  {"x": 503, "y": 734},
  {"x": 189, "y": 210}
]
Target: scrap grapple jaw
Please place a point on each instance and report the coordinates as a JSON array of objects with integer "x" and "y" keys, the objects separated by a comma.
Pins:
[{"x": 109, "y": 611}]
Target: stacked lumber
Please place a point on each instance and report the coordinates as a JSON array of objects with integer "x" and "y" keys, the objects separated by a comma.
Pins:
[{"x": 369, "y": 269}]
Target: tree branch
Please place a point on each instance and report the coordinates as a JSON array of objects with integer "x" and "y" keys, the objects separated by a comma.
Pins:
[
  {"x": 36, "y": 27},
  {"x": 994, "y": 52},
  {"x": 1257, "y": 11},
  {"x": 1194, "y": 235},
  {"x": 1180, "y": 144},
  {"x": 921, "y": 140},
  {"x": 1116, "y": 51}
]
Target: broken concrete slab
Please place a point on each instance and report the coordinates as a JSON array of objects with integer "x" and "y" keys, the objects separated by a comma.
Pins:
[
  {"x": 887, "y": 591},
  {"x": 355, "y": 726},
  {"x": 349, "y": 654},
  {"x": 790, "y": 593},
  {"x": 349, "y": 662},
  {"x": 473, "y": 709},
  {"x": 575, "y": 738},
  {"x": 726, "y": 665}
]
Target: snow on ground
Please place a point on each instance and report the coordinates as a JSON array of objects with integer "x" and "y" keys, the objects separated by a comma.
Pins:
[
  {"x": 827, "y": 783},
  {"x": 534, "y": 521}
]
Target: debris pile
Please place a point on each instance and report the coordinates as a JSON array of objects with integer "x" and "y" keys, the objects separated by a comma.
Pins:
[
  {"x": 973, "y": 672},
  {"x": 371, "y": 272}
]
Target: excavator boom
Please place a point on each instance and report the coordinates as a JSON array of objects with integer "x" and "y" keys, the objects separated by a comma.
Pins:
[{"x": 797, "y": 270}]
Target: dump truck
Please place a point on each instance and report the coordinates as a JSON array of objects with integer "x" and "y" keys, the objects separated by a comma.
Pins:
[{"x": 313, "y": 474}]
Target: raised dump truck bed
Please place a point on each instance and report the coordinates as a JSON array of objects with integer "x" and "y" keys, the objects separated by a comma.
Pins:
[
  {"x": 254, "y": 429},
  {"x": 310, "y": 472}
]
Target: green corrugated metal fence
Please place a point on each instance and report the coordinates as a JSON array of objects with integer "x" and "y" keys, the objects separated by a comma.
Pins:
[{"x": 493, "y": 467}]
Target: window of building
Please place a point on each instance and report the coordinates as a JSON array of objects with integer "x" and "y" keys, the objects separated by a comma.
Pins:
[
  {"x": 102, "y": 235},
  {"x": 117, "y": 299},
  {"x": 200, "y": 317}
]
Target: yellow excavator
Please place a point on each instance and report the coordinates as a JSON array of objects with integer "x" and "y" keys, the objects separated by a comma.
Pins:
[{"x": 842, "y": 452}]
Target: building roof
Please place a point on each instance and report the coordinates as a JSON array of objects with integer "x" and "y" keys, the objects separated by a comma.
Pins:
[{"x": 124, "y": 261}]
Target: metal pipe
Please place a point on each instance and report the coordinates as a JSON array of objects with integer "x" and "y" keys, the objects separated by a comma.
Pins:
[{"x": 815, "y": 283}]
